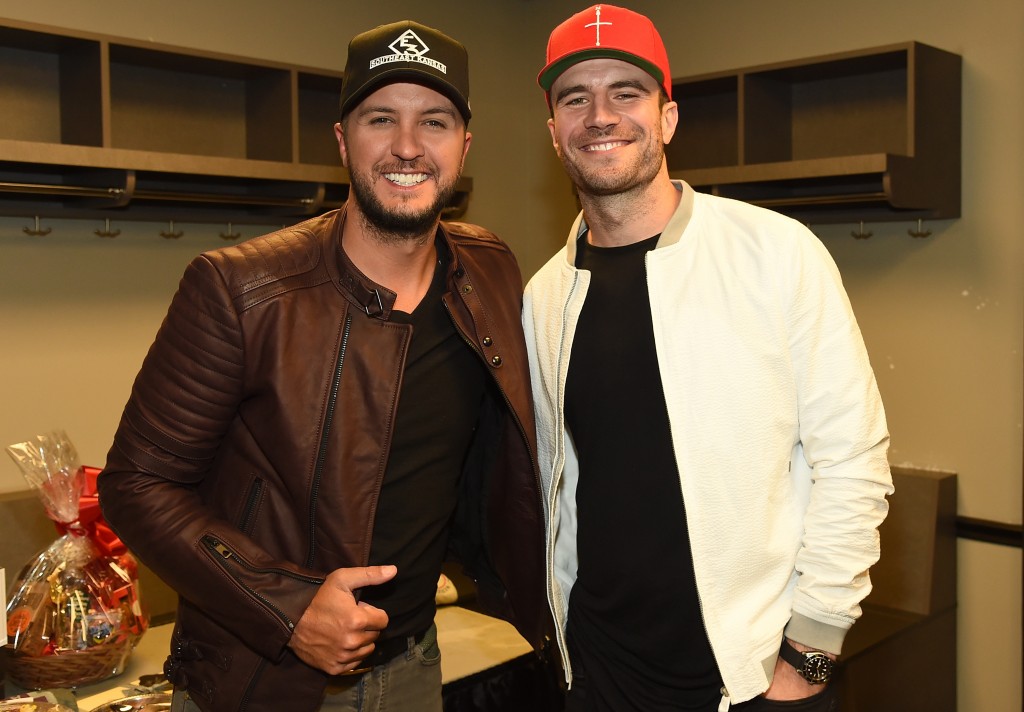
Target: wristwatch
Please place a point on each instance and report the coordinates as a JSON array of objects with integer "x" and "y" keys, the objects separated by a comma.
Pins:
[{"x": 813, "y": 665}]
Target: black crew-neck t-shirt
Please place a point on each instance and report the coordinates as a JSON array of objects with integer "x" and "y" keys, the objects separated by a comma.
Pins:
[{"x": 635, "y": 628}]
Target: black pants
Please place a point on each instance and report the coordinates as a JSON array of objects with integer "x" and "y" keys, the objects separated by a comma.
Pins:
[{"x": 825, "y": 701}]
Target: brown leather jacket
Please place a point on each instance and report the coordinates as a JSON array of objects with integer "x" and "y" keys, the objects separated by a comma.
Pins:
[{"x": 250, "y": 455}]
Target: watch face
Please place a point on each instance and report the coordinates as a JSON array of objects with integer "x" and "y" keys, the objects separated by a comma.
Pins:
[{"x": 817, "y": 668}]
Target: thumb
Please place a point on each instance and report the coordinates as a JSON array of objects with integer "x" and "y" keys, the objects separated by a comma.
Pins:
[{"x": 357, "y": 577}]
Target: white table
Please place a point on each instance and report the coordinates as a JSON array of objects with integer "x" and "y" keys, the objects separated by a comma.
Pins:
[{"x": 470, "y": 643}]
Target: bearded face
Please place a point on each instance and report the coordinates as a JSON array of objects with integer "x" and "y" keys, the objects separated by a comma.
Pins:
[
  {"x": 596, "y": 174},
  {"x": 609, "y": 126},
  {"x": 401, "y": 218},
  {"x": 404, "y": 146}
]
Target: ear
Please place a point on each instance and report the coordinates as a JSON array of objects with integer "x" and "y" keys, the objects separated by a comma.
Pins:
[
  {"x": 465, "y": 146},
  {"x": 339, "y": 133},
  {"x": 554, "y": 141},
  {"x": 669, "y": 120}
]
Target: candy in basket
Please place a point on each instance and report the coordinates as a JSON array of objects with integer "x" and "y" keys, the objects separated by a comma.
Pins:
[{"x": 73, "y": 614}]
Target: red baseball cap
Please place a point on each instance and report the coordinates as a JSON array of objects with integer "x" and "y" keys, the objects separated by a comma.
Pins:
[{"x": 610, "y": 32}]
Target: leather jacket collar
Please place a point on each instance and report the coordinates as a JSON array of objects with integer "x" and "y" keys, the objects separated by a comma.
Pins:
[{"x": 374, "y": 299}]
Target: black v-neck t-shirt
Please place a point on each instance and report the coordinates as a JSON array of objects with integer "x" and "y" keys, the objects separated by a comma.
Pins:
[{"x": 636, "y": 634}]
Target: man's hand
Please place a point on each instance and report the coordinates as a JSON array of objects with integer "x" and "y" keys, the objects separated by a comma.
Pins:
[
  {"x": 336, "y": 632},
  {"x": 788, "y": 684}
]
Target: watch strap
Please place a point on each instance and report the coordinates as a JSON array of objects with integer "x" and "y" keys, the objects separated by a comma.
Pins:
[{"x": 814, "y": 666}]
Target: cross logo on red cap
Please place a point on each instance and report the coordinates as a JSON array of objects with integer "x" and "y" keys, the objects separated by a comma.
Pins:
[{"x": 597, "y": 25}]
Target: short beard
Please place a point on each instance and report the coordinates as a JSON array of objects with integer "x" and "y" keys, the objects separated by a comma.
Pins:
[
  {"x": 393, "y": 226},
  {"x": 639, "y": 175}
]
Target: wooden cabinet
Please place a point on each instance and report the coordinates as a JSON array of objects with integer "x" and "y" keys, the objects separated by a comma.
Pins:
[
  {"x": 901, "y": 654},
  {"x": 869, "y": 135},
  {"x": 103, "y": 127}
]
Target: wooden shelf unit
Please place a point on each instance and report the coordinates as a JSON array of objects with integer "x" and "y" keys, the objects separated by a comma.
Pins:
[
  {"x": 104, "y": 127},
  {"x": 869, "y": 135}
]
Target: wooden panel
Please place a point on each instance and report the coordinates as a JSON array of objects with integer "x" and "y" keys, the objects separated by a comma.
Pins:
[
  {"x": 268, "y": 116},
  {"x": 936, "y": 127},
  {"x": 319, "y": 97},
  {"x": 851, "y": 115},
  {"x": 917, "y": 569},
  {"x": 767, "y": 120},
  {"x": 177, "y": 112},
  {"x": 912, "y": 670},
  {"x": 829, "y": 108},
  {"x": 30, "y": 95},
  {"x": 82, "y": 94},
  {"x": 901, "y": 654},
  {"x": 708, "y": 131}
]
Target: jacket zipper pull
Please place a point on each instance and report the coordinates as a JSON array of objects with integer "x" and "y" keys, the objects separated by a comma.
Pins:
[{"x": 221, "y": 549}]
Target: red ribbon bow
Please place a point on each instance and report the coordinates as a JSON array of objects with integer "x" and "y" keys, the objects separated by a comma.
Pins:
[{"x": 90, "y": 520}]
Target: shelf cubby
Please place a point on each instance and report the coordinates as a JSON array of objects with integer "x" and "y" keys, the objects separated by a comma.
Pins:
[
  {"x": 318, "y": 112},
  {"x": 866, "y": 135},
  {"x": 99, "y": 126}
]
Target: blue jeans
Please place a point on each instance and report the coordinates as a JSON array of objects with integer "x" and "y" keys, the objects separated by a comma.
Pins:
[{"x": 410, "y": 682}]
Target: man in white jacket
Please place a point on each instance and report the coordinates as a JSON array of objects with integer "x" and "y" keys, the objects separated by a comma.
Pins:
[{"x": 712, "y": 444}]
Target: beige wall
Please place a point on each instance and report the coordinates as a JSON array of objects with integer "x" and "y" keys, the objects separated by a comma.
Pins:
[{"x": 942, "y": 316}]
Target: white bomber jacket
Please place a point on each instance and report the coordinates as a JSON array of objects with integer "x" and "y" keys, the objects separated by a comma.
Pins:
[{"x": 777, "y": 427}]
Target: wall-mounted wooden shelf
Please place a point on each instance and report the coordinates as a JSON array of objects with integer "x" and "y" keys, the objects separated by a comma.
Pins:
[
  {"x": 869, "y": 135},
  {"x": 104, "y": 127}
]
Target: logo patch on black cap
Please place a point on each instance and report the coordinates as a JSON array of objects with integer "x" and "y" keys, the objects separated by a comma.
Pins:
[
  {"x": 406, "y": 51},
  {"x": 408, "y": 47}
]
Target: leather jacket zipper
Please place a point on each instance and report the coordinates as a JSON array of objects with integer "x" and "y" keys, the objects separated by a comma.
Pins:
[
  {"x": 255, "y": 491},
  {"x": 321, "y": 455},
  {"x": 224, "y": 556}
]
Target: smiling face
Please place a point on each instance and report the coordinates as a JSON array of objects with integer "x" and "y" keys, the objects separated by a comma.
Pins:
[
  {"x": 404, "y": 146},
  {"x": 609, "y": 126}
]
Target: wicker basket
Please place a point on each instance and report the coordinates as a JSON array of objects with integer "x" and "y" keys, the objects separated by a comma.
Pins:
[{"x": 71, "y": 668}]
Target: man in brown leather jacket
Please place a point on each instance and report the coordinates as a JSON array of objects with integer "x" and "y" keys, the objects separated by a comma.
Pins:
[{"x": 327, "y": 409}]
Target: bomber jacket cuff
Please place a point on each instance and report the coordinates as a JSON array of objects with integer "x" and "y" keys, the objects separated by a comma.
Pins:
[{"x": 815, "y": 634}]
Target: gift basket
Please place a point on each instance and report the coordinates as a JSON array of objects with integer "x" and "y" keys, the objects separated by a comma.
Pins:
[{"x": 73, "y": 613}]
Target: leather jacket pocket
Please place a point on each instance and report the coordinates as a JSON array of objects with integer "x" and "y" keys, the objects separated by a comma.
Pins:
[{"x": 253, "y": 500}]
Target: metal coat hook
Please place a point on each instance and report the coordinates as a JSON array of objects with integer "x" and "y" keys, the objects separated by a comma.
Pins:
[
  {"x": 37, "y": 231},
  {"x": 920, "y": 232},
  {"x": 106, "y": 231},
  {"x": 860, "y": 234},
  {"x": 170, "y": 234},
  {"x": 229, "y": 235}
]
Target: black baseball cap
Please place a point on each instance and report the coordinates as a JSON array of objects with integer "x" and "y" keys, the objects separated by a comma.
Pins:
[{"x": 406, "y": 51}]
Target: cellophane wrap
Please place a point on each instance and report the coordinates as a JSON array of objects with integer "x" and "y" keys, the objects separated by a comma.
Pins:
[{"x": 82, "y": 591}]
